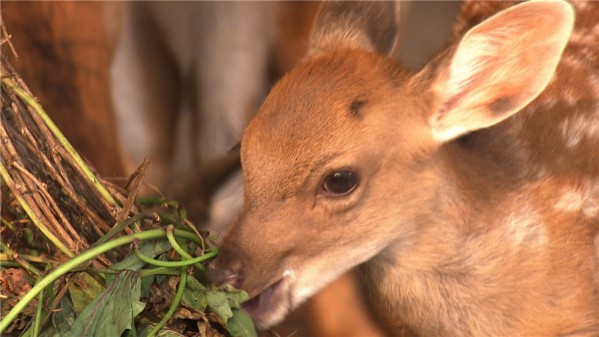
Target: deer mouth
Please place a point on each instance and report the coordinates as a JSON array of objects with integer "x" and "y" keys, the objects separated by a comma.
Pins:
[{"x": 271, "y": 305}]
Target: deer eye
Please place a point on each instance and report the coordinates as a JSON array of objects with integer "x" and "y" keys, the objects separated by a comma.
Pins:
[{"x": 340, "y": 183}]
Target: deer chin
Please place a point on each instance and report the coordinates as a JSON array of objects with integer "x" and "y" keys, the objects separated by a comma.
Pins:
[{"x": 272, "y": 304}]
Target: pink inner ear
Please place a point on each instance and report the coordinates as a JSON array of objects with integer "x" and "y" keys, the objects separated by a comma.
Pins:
[
  {"x": 449, "y": 105},
  {"x": 500, "y": 66}
]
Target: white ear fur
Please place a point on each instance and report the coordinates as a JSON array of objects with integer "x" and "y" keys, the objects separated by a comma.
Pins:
[
  {"x": 500, "y": 66},
  {"x": 364, "y": 25}
]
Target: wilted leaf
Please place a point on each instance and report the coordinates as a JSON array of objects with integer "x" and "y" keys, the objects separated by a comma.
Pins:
[
  {"x": 164, "y": 332},
  {"x": 241, "y": 325},
  {"x": 14, "y": 281},
  {"x": 113, "y": 311},
  {"x": 183, "y": 313}
]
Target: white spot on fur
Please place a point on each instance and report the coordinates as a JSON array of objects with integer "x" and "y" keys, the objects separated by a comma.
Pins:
[
  {"x": 526, "y": 228},
  {"x": 575, "y": 129},
  {"x": 572, "y": 62},
  {"x": 584, "y": 200},
  {"x": 570, "y": 201},
  {"x": 541, "y": 173},
  {"x": 569, "y": 96},
  {"x": 583, "y": 38}
]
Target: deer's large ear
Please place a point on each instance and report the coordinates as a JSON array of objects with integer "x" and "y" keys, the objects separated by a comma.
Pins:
[
  {"x": 364, "y": 25},
  {"x": 500, "y": 66}
]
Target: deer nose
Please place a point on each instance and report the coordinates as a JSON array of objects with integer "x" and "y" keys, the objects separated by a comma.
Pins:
[{"x": 229, "y": 275}]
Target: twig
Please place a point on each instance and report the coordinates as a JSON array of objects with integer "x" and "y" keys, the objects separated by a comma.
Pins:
[
  {"x": 64, "y": 153},
  {"x": 133, "y": 187},
  {"x": 80, "y": 164},
  {"x": 64, "y": 221},
  {"x": 58, "y": 175},
  {"x": 10, "y": 153},
  {"x": 6, "y": 39},
  {"x": 31, "y": 211}
]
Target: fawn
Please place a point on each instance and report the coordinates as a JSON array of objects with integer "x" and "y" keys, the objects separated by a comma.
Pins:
[{"x": 468, "y": 192}]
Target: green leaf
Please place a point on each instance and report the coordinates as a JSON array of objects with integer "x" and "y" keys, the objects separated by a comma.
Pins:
[
  {"x": 194, "y": 284},
  {"x": 241, "y": 324},
  {"x": 219, "y": 304},
  {"x": 113, "y": 311},
  {"x": 194, "y": 295},
  {"x": 146, "y": 285},
  {"x": 226, "y": 303},
  {"x": 235, "y": 296},
  {"x": 129, "y": 333},
  {"x": 47, "y": 333},
  {"x": 151, "y": 248},
  {"x": 84, "y": 291},
  {"x": 64, "y": 317}
]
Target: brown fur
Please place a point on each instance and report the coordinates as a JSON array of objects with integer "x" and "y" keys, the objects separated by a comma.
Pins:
[{"x": 468, "y": 231}]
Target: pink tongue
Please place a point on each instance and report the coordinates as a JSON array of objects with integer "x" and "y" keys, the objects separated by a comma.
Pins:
[
  {"x": 252, "y": 306},
  {"x": 260, "y": 302}
]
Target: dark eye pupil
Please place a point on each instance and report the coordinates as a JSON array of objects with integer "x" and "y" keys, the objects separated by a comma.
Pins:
[{"x": 340, "y": 183}]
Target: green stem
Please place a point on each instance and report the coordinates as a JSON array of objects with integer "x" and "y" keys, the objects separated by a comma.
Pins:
[
  {"x": 175, "y": 244},
  {"x": 119, "y": 227},
  {"x": 38, "y": 314},
  {"x": 158, "y": 271},
  {"x": 24, "y": 95},
  {"x": 78, "y": 260},
  {"x": 178, "y": 248},
  {"x": 28, "y": 266},
  {"x": 172, "y": 264},
  {"x": 7, "y": 224},
  {"x": 143, "y": 272},
  {"x": 28, "y": 258},
  {"x": 148, "y": 202},
  {"x": 38, "y": 223},
  {"x": 175, "y": 304}
]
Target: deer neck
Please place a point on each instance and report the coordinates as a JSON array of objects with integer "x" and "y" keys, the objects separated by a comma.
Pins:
[{"x": 434, "y": 268}]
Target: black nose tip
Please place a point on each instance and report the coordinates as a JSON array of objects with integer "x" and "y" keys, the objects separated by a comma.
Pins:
[{"x": 220, "y": 276}]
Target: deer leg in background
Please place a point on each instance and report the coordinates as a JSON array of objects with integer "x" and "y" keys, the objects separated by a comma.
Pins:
[{"x": 65, "y": 50}]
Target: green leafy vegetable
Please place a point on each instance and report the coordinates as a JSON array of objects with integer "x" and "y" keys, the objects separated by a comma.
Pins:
[{"x": 113, "y": 311}]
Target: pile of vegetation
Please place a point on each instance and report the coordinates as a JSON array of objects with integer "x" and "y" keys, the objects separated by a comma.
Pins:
[{"x": 82, "y": 256}]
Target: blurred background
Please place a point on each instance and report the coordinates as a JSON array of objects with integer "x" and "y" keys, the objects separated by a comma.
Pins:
[{"x": 177, "y": 82}]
